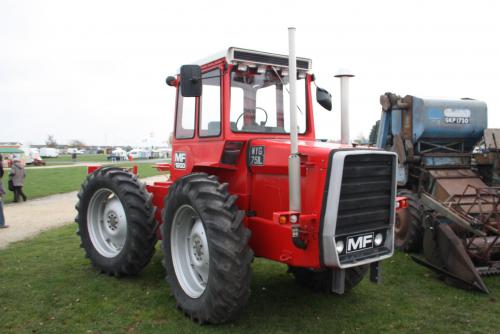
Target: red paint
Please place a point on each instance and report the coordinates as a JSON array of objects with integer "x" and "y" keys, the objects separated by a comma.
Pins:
[
  {"x": 401, "y": 203},
  {"x": 93, "y": 168},
  {"x": 159, "y": 191},
  {"x": 163, "y": 167}
]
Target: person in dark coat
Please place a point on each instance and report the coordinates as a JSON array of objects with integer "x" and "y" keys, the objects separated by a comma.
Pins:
[
  {"x": 2, "y": 193},
  {"x": 1, "y": 167},
  {"x": 17, "y": 175}
]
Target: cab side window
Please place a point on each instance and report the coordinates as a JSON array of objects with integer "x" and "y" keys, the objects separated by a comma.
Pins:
[
  {"x": 186, "y": 106},
  {"x": 210, "y": 105}
]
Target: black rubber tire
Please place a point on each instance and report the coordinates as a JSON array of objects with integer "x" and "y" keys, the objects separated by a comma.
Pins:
[
  {"x": 228, "y": 286},
  {"x": 141, "y": 238},
  {"x": 412, "y": 240},
  {"x": 321, "y": 280}
]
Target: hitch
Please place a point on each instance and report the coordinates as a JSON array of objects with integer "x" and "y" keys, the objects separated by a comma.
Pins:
[{"x": 297, "y": 241}]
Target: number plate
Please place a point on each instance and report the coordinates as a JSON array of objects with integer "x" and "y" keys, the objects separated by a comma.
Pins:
[{"x": 457, "y": 120}]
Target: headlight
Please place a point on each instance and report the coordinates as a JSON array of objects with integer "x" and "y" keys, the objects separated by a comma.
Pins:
[
  {"x": 339, "y": 245},
  {"x": 378, "y": 239}
]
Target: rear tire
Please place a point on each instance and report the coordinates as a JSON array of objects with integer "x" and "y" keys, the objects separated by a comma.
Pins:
[
  {"x": 408, "y": 231},
  {"x": 321, "y": 280},
  {"x": 116, "y": 222},
  {"x": 205, "y": 247}
]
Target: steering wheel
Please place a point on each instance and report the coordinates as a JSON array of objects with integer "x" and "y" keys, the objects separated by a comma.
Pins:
[{"x": 256, "y": 108}]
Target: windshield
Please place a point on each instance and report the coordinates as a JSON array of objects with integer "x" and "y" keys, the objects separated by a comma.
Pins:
[{"x": 260, "y": 101}]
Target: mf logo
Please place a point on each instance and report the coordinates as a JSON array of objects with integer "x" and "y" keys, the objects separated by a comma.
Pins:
[
  {"x": 180, "y": 160},
  {"x": 359, "y": 242}
]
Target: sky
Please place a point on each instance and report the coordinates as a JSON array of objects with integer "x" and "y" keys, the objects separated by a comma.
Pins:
[{"x": 95, "y": 70}]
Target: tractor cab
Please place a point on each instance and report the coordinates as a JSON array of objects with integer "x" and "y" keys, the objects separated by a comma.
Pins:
[{"x": 236, "y": 96}]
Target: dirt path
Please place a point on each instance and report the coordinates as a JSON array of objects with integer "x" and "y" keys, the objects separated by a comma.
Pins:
[{"x": 28, "y": 219}]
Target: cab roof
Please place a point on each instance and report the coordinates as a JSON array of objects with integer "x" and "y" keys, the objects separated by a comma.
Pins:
[{"x": 235, "y": 56}]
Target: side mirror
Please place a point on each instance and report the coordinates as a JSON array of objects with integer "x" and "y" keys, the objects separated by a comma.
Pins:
[
  {"x": 191, "y": 80},
  {"x": 324, "y": 98},
  {"x": 171, "y": 81}
]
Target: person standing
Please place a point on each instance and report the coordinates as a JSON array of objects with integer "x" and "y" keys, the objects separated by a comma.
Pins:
[
  {"x": 2, "y": 193},
  {"x": 1, "y": 167},
  {"x": 17, "y": 175}
]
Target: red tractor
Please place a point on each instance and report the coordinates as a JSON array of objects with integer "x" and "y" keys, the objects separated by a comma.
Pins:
[{"x": 247, "y": 179}]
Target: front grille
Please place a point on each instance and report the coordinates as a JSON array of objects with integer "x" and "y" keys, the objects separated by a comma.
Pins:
[{"x": 365, "y": 194}]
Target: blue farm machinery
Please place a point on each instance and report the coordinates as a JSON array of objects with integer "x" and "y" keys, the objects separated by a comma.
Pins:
[{"x": 448, "y": 168}]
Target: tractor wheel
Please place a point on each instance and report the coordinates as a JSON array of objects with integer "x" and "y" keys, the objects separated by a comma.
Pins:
[
  {"x": 321, "y": 280},
  {"x": 408, "y": 231},
  {"x": 205, "y": 247},
  {"x": 116, "y": 222}
]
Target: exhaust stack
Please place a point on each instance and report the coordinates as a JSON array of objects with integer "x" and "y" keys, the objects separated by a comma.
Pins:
[
  {"x": 344, "y": 76},
  {"x": 293, "y": 159}
]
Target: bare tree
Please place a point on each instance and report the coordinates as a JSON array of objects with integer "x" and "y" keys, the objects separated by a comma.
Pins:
[
  {"x": 360, "y": 140},
  {"x": 170, "y": 139},
  {"x": 374, "y": 133},
  {"x": 51, "y": 141},
  {"x": 76, "y": 143}
]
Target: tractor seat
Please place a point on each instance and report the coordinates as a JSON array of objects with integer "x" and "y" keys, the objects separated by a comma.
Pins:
[
  {"x": 213, "y": 129},
  {"x": 233, "y": 127}
]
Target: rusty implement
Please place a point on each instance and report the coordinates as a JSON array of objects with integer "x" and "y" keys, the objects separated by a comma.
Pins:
[
  {"x": 445, "y": 254},
  {"x": 462, "y": 239}
]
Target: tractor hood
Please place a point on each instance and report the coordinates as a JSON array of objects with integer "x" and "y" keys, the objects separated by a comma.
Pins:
[{"x": 345, "y": 191}]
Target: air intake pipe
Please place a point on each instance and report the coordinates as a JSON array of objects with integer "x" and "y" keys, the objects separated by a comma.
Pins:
[{"x": 344, "y": 76}]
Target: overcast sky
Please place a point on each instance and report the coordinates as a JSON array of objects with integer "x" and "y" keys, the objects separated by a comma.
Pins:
[{"x": 95, "y": 70}]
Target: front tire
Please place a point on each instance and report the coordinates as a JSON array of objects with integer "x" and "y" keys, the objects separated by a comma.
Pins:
[
  {"x": 116, "y": 222},
  {"x": 205, "y": 247}
]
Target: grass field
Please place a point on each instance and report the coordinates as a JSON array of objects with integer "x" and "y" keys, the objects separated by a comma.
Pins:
[
  {"x": 49, "y": 181},
  {"x": 46, "y": 286},
  {"x": 66, "y": 159}
]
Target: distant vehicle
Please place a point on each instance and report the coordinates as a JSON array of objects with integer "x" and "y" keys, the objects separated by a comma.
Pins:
[
  {"x": 38, "y": 162},
  {"x": 32, "y": 157},
  {"x": 162, "y": 153},
  {"x": 118, "y": 154},
  {"x": 138, "y": 153},
  {"x": 75, "y": 150},
  {"x": 49, "y": 152}
]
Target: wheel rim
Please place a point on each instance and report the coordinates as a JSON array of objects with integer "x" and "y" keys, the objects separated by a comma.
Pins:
[
  {"x": 401, "y": 226},
  {"x": 107, "y": 223},
  {"x": 189, "y": 249}
]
